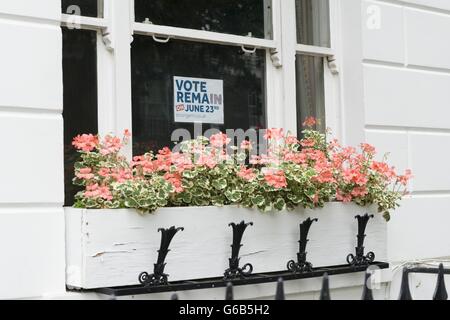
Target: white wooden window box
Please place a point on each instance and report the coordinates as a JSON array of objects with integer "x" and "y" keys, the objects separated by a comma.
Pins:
[{"x": 109, "y": 248}]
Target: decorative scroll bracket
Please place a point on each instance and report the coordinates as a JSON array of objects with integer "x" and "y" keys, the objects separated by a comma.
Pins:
[
  {"x": 159, "y": 277},
  {"x": 333, "y": 65},
  {"x": 275, "y": 56},
  {"x": 360, "y": 259},
  {"x": 234, "y": 271},
  {"x": 302, "y": 265}
]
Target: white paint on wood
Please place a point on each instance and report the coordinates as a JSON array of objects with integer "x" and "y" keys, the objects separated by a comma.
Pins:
[{"x": 116, "y": 245}]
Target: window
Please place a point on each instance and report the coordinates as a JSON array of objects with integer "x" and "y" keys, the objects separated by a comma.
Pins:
[
  {"x": 243, "y": 17},
  {"x": 80, "y": 110},
  {"x": 313, "y": 32},
  {"x": 153, "y": 67},
  {"x": 80, "y": 79},
  {"x": 236, "y": 61},
  {"x": 310, "y": 91},
  {"x": 313, "y": 22},
  {"x": 123, "y": 58}
]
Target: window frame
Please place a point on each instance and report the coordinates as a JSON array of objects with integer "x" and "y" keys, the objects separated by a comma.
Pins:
[{"x": 115, "y": 33}]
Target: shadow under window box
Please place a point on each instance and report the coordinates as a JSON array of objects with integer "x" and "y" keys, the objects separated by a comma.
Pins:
[{"x": 109, "y": 248}]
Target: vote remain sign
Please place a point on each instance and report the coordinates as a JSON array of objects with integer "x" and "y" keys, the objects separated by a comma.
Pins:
[{"x": 198, "y": 100}]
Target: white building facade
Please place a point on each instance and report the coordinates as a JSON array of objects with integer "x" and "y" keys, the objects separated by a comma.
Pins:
[{"x": 375, "y": 71}]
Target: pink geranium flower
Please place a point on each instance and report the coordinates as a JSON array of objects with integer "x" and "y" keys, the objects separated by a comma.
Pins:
[
  {"x": 127, "y": 133},
  {"x": 290, "y": 140},
  {"x": 104, "y": 172},
  {"x": 276, "y": 178},
  {"x": 181, "y": 161},
  {"x": 340, "y": 196},
  {"x": 367, "y": 148},
  {"x": 384, "y": 169},
  {"x": 175, "y": 180},
  {"x": 247, "y": 174},
  {"x": 95, "y": 191},
  {"x": 274, "y": 134},
  {"x": 359, "y": 192},
  {"x": 121, "y": 175},
  {"x": 404, "y": 179},
  {"x": 85, "y": 142},
  {"x": 110, "y": 145},
  {"x": 246, "y": 145},
  {"x": 219, "y": 140},
  {"x": 307, "y": 143},
  {"x": 207, "y": 160},
  {"x": 310, "y": 122},
  {"x": 85, "y": 173}
]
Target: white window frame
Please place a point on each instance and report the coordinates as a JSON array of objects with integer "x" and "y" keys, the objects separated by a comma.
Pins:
[{"x": 115, "y": 35}]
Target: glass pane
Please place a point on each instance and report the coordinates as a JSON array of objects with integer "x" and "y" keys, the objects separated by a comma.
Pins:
[
  {"x": 234, "y": 17},
  {"x": 87, "y": 8},
  {"x": 80, "y": 96},
  {"x": 154, "y": 67},
  {"x": 313, "y": 22},
  {"x": 310, "y": 91}
]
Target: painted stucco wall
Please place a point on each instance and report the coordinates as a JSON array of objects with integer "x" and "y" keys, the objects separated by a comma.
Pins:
[
  {"x": 31, "y": 136},
  {"x": 406, "y": 99}
]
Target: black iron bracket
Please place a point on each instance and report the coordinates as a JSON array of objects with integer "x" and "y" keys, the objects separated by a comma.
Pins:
[
  {"x": 260, "y": 278},
  {"x": 159, "y": 277},
  {"x": 359, "y": 259},
  {"x": 234, "y": 271},
  {"x": 302, "y": 265}
]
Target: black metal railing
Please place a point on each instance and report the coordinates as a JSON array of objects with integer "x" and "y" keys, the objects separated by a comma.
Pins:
[{"x": 440, "y": 292}]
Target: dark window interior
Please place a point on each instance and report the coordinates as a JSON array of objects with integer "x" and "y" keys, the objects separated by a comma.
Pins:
[
  {"x": 225, "y": 16},
  {"x": 88, "y": 8},
  {"x": 80, "y": 96},
  {"x": 153, "y": 67}
]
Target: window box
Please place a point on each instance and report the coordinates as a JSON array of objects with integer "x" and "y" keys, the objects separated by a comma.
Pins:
[{"x": 106, "y": 248}]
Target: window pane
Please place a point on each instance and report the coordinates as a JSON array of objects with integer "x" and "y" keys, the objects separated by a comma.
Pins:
[
  {"x": 313, "y": 22},
  {"x": 87, "y": 8},
  {"x": 310, "y": 91},
  {"x": 80, "y": 96},
  {"x": 154, "y": 67},
  {"x": 234, "y": 17}
]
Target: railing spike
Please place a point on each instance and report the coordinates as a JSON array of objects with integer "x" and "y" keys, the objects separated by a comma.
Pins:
[
  {"x": 280, "y": 290},
  {"x": 367, "y": 291},
  {"x": 441, "y": 292},
  {"x": 405, "y": 293},
  {"x": 325, "y": 292},
  {"x": 174, "y": 297},
  {"x": 229, "y": 292}
]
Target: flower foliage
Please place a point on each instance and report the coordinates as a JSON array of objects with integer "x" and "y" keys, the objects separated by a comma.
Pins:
[{"x": 291, "y": 173}]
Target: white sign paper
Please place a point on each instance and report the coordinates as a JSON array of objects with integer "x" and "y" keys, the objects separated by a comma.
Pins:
[{"x": 198, "y": 100}]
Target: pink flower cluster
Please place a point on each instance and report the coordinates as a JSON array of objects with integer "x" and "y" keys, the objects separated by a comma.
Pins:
[{"x": 342, "y": 173}]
